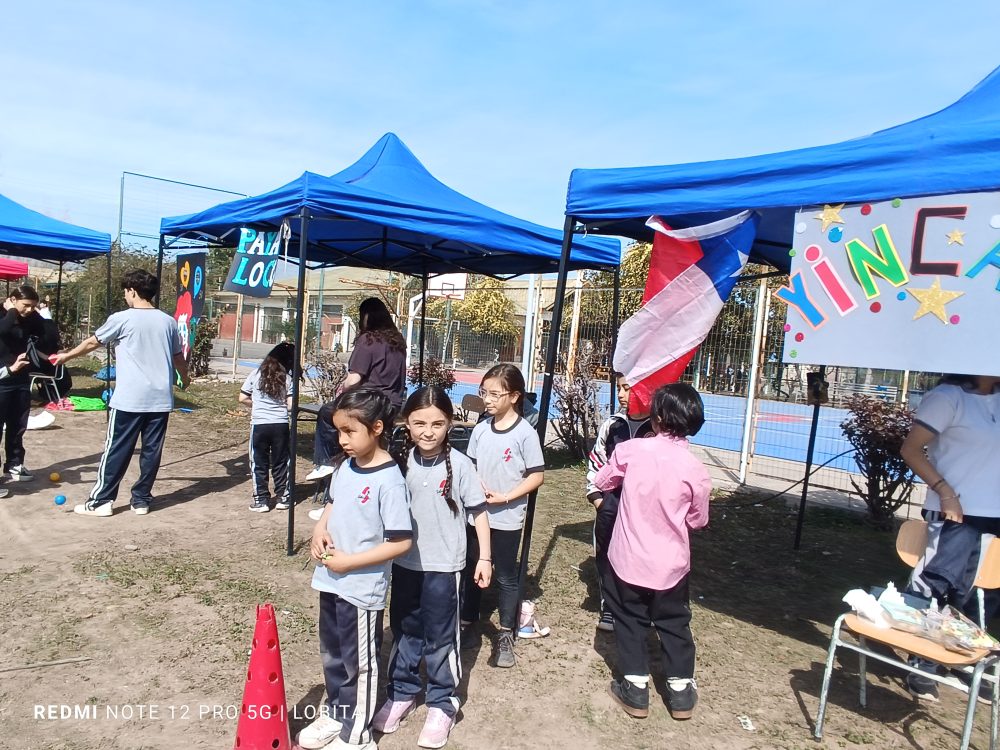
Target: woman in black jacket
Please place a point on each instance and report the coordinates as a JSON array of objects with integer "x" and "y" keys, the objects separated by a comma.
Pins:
[{"x": 17, "y": 327}]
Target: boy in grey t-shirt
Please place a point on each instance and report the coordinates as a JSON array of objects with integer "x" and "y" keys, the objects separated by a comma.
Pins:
[{"x": 147, "y": 352}]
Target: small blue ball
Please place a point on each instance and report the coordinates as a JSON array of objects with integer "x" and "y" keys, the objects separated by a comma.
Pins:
[{"x": 60, "y": 499}]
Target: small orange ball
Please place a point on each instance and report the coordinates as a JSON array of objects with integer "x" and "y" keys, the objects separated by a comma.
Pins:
[{"x": 54, "y": 476}]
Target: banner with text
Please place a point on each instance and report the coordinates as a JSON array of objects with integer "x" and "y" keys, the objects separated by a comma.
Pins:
[
  {"x": 904, "y": 284},
  {"x": 256, "y": 259}
]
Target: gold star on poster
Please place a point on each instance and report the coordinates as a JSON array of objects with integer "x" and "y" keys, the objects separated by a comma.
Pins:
[
  {"x": 955, "y": 237},
  {"x": 933, "y": 300},
  {"x": 829, "y": 215}
]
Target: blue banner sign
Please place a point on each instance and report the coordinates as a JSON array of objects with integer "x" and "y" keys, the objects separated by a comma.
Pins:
[{"x": 252, "y": 271}]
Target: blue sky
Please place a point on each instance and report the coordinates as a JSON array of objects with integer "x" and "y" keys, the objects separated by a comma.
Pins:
[{"x": 499, "y": 99}]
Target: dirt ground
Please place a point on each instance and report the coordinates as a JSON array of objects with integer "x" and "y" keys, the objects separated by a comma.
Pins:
[{"x": 162, "y": 606}]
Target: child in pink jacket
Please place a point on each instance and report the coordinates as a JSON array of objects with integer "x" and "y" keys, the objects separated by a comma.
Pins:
[{"x": 665, "y": 492}]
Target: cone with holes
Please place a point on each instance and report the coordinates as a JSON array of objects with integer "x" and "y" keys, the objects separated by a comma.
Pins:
[{"x": 263, "y": 723}]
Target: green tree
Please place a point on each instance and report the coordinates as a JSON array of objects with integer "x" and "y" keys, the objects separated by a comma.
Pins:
[
  {"x": 86, "y": 293},
  {"x": 486, "y": 310}
]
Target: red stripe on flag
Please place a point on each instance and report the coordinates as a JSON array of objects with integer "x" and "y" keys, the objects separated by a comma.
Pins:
[
  {"x": 668, "y": 259},
  {"x": 640, "y": 396}
]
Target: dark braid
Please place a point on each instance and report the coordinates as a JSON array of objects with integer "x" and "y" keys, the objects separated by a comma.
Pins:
[
  {"x": 452, "y": 505},
  {"x": 403, "y": 457}
]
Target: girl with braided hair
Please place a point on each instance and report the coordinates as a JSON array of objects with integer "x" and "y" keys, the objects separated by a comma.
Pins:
[{"x": 426, "y": 580}]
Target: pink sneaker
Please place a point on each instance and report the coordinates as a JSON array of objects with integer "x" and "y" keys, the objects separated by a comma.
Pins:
[
  {"x": 436, "y": 729},
  {"x": 391, "y": 715}
]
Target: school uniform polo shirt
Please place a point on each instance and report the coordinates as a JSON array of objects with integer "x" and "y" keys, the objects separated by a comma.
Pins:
[
  {"x": 503, "y": 459},
  {"x": 370, "y": 506}
]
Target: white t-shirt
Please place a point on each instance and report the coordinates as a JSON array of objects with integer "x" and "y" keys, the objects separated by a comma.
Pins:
[
  {"x": 145, "y": 341},
  {"x": 966, "y": 446}
]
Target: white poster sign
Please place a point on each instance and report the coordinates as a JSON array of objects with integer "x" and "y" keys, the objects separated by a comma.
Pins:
[{"x": 903, "y": 284}]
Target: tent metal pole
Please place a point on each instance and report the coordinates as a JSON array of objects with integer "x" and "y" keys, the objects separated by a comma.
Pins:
[
  {"x": 551, "y": 355},
  {"x": 107, "y": 348},
  {"x": 423, "y": 327},
  {"x": 159, "y": 272},
  {"x": 297, "y": 376},
  {"x": 58, "y": 293},
  {"x": 616, "y": 299},
  {"x": 809, "y": 460}
]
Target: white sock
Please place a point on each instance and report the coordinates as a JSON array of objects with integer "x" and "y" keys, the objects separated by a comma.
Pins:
[
  {"x": 639, "y": 680},
  {"x": 679, "y": 683}
]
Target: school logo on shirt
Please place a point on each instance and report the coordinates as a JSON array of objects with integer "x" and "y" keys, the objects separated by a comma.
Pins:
[
  {"x": 364, "y": 496},
  {"x": 506, "y": 455},
  {"x": 442, "y": 486}
]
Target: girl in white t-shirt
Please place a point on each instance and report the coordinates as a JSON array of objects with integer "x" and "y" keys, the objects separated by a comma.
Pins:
[{"x": 952, "y": 446}]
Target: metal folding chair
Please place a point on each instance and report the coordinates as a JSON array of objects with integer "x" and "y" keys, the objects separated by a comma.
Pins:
[
  {"x": 471, "y": 404},
  {"x": 48, "y": 383},
  {"x": 911, "y": 541}
]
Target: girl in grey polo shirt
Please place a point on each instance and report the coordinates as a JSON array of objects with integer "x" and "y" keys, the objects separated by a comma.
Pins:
[
  {"x": 426, "y": 581},
  {"x": 365, "y": 526},
  {"x": 509, "y": 460}
]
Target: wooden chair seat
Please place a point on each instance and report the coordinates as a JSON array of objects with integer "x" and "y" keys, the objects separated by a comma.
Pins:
[{"x": 910, "y": 643}]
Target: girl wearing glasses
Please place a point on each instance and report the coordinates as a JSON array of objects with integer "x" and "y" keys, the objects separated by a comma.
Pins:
[{"x": 509, "y": 460}]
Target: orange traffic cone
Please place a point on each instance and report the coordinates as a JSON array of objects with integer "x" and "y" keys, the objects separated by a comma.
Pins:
[{"x": 263, "y": 723}]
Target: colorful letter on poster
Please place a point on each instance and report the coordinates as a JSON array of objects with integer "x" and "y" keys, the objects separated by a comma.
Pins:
[
  {"x": 255, "y": 262},
  {"x": 885, "y": 285},
  {"x": 190, "y": 296}
]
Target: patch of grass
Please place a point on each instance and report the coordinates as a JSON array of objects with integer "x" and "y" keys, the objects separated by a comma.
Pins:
[{"x": 213, "y": 395}]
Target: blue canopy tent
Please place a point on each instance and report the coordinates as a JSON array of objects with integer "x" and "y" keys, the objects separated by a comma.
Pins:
[
  {"x": 30, "y": 234},
  {"x": 387, "y": 211},
  {"x": 951, "y": 151},
  {"x": 954, "y": 150}
]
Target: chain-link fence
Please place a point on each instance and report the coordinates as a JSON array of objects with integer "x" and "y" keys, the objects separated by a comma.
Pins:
[{"x": 737, "y": 368}]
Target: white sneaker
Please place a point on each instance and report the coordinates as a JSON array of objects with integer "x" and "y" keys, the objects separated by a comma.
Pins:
[
  {"x": 319, "y": 472},
  {"x": 320, "y": 733},
  {"x": 140, "y": 510},
  {"x": 339, "y": 744},
  {"x": 391, "y": 715},
  {"x": 84, "y": 509},
  {"x": 4, "y": 492},
  {"x": 20, "y": 473},
  {"x": 316, "y": 513},
  {"x": 436, "y": 729}
]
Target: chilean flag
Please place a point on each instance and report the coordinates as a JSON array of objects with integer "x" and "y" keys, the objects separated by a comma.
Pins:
[{"x": 691, "y": 273}]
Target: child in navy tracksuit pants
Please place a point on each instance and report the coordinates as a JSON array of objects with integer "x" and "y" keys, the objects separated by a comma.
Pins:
[
  {"x": 267, "y": 391},
  {"x": 365, "y": 526},
  {"x": 426, "y": 581}
]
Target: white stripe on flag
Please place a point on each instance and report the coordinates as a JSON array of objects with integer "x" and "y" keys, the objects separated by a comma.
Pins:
[
  {"x": 671, "y": 324},
  {"x": 702, "y": 232}
]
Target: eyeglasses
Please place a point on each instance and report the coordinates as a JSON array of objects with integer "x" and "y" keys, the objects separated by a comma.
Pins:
[{"x": 491, "y": 395}]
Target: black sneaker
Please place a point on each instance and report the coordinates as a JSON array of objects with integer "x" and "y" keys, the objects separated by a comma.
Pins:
[
  {"x": 260, "y": 506},
  {"x": 470, "y": 638},
  {"x": 682, "y": 697},
  {"x": 921, "y": 687},
  {"x": 606, "y": 623},
  {"x": 633, "y": 699},
  {"x": 503, "y": 651},
  {"x": 985, "y": 688}
]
